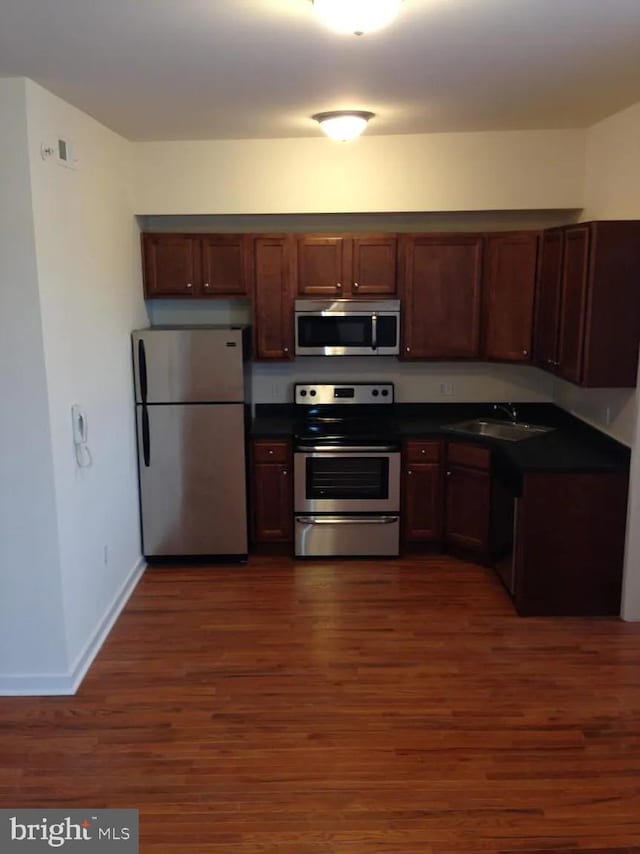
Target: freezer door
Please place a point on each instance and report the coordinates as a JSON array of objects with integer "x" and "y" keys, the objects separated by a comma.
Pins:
[
  {"x": 192, "y": 479},
  {"x": 188, "y": 365}
]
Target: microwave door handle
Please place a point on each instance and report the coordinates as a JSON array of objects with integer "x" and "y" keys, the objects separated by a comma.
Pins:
[{"x": 374, "y": 331}]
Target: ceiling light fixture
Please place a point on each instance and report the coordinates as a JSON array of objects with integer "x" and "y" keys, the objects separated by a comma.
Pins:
[
  {"x": 343, "y": 125},
  {"x": 357, "y": 16}
]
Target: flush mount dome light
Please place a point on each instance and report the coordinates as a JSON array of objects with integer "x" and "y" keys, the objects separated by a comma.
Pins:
[
  {"x": 343, "y": 125},
  {"x": 357, "y": 16}
]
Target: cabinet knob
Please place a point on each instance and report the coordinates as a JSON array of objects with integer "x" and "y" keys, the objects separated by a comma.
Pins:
[
  {"x": 284, "y": 472},
  {"x": 356, "y": 286},
  {"x": 206, "y": 284},
  {"x": 189, "y": 285},
  {"x": 448, "y": 474},
  {"x": 409, "y": 472},
  {"x": 423, "y": 451},
  {"x": 525, "y": 352},
  {"x": 408, "y": 349},
  {"x": 285, "y": 349},
  {"x": 270, "y": 451},
  {"x": 338, "y": 285}
]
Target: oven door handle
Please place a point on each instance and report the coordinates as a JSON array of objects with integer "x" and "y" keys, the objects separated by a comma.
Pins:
[
  {"x": 374, "y": 331},
  {"x": 343, "y": 449},
  {"x": 342, "y": 520}
]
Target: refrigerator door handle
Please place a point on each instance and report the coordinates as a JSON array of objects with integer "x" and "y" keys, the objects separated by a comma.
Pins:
[
  {"x": 146, "y": 437},
  {"x": 142, "y": 370}
]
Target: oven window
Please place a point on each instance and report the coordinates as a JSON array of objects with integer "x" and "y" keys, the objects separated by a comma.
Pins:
[
  {"x": 350, "y": 331},
  {"x": 346, "y": 477}
]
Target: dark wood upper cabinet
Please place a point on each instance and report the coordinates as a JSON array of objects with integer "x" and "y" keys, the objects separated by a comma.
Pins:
[
  {"x": 441, "y": 288},
  {"x": 224, "y": 265},
  {"x": 588, "y": 326},
  {"x": 171, "y": 265},
  {"x": 573, "y": 302},
  {"x": 271, "y": 263},
  {"x": 509, "y": 293},
  {"x": 545, "y": 340},
  {"x": 467, "y": 497},
  {"x": 611, "y": 323},
  {"x": 194, "y": 265},
  {"x": 373, "y": 265},
  {"x": 320, "y": 265}
]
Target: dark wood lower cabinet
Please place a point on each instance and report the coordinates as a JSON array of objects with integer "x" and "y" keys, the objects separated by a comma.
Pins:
[
  {"x": 467, "y": 498},
  {"x": 558, "y": 547},
  {"x": 422, "y": 507},
  {"x": 569, "y": 544},
  {"x": 271, "y": 492}
]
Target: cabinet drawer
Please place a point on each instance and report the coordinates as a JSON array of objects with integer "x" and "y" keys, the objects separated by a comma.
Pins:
[
  {"x": 271, "y": 452},
  {"x": 423, "y": 452},
  {"x": 469, "y": 455}
]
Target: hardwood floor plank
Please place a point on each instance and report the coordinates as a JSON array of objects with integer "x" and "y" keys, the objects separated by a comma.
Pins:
[{"x": 344, "y": 708}]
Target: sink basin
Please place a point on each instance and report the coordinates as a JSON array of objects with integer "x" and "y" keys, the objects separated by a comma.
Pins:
[{"x": 512, "y": 431}]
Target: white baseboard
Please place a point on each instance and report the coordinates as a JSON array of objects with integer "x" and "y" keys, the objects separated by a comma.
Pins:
[{"x": 55, "y": 684}]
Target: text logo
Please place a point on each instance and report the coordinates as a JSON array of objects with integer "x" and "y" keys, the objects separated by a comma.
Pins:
[{"x": 69, "y": 830}]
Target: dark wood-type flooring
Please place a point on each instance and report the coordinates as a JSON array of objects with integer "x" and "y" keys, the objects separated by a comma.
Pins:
[{"x": 351, "y": 708}]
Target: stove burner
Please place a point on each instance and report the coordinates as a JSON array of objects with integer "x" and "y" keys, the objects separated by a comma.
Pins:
[{"x": 345, "y": 415}]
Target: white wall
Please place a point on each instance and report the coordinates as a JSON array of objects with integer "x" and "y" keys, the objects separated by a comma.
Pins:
[
  {"x": 32, "y": 639},
  {"x": 88, "y": 257},
  {"x": 415, "y": 382},
  {"x": 631, "y": 591},
  {"x": 612, "y": 191},
  {"x": 612, "y": 410},
  {"x": 508, "y": 170},
  {"x": 612, "y": 171}
]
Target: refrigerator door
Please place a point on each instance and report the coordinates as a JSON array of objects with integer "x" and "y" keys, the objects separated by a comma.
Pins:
[
  {"x": 188, "y": 365},
  {"x": 192, "y": 479}
]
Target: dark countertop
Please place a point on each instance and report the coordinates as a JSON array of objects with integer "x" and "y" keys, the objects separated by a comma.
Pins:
[{"x": 572, "y": 447}]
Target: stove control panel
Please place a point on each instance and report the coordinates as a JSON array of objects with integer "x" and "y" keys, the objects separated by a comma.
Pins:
[{"x": 313, "y": 394}]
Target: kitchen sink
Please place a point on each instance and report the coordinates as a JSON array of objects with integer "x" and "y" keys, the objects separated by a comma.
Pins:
[{"x": 512, "y": 431}]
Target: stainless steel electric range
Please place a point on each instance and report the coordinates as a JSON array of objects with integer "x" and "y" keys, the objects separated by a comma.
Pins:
[{"x": 347, "y": 471}]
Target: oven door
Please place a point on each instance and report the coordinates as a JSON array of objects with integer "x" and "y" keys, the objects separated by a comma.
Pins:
[
  {"x": 347, "y": 480},
  {"x": 351, "y": 333}
]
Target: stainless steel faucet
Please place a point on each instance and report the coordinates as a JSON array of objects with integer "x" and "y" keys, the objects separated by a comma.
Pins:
[{"x": 508, "y": 408}]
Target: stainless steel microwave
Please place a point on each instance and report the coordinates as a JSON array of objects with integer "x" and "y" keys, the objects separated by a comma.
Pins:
[{"x": 346, "y": 327}]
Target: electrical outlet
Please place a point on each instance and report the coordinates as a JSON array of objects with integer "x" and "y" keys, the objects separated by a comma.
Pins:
[{"x": 446, "y": 388}]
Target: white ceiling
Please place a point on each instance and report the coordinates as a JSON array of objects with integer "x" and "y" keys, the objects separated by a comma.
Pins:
[{"x": 194, "y": 69}]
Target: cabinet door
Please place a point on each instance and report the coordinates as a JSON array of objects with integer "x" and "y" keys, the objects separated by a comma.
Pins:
[
  {"x": 570, "y": 543},
  {"x": 321, "y": 266},
  {"x": 545, "y": 343},
  {"x": 373, "y": 265},
  {"x": 171, "y": 265},
  {"x": 224, "y": 265},
  {"x": 422, "y": 514},
  {"x": 574, "y": 302},
  {"x": 271, "y": 262},
  {"x": 468, "y": 496},
  {"x": 272, "y": 503},
  {"x": 509, "y": 289},
  {"x": 441, "y": 296}
]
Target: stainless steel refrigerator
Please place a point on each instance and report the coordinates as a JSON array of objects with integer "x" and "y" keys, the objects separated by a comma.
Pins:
[{"x": 191, "y": 395}]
